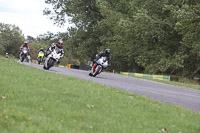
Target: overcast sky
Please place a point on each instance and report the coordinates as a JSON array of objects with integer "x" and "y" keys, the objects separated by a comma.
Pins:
[{"x": 28, "y": 16}]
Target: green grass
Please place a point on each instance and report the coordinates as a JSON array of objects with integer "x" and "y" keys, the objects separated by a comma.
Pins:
[
  {"x": 35, "y": 101},
  {"x": 190, "y": 84},
  {"x": 187, "y": 85},
  {"x": 194, "y": 86}
]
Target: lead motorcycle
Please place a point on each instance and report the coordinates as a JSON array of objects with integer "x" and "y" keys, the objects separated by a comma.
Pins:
[
  {"x": 24, "y": 55},
  {"x": 52, "y": 58},
  {"x": 99, "y": 66}
]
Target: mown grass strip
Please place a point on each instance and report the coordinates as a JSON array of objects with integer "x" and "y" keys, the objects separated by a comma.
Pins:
[
  {"x": 33, "y": 101},
  {"x": 148, "y": 77}
]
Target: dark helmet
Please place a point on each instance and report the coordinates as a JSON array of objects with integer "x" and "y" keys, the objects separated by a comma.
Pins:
[
  {"x": 107, "y": 51},
  {"x": 60, "y": 43}
]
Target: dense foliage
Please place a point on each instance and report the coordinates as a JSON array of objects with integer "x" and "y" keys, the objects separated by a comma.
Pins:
[
  {"x": 150, "y": 36},
  {"x": 10, "y": 39}
]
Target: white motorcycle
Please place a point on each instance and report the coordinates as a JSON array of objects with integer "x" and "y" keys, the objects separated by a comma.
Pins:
[
  {"x": 99, "y": 66},
  {"x": 52, "y": 58},
  {"x": 24, "y": 55}
]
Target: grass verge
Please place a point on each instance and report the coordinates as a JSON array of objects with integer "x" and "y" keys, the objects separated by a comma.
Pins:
[
  {"x": 187, "y": 85},
  {"x": 193, "y": 86},
  {"x": 33, "y": 101}
]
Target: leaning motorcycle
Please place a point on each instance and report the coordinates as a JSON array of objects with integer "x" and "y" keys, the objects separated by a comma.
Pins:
[
  {"x": 52, "y": 58},
  {"x": 40, "y": 57},
  {"x": 24, "y": 55},
  {"x": 99, "y": 66}
]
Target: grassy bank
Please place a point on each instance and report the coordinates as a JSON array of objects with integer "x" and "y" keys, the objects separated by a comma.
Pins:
[
  {"x": 184, "y": 82},
  {"x": 187, "y": 85},
  {"x": 33, "y": 101}
]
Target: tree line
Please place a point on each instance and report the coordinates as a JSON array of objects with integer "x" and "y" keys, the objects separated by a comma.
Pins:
[
  {"x": 10, "y": 35},
  {"x": 145, "y": 36},
  {"x": 148, "y": 36},
  {"x": 11, "y": 38}
]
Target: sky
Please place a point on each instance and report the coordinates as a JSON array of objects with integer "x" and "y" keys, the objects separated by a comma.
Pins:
[{"x": 28, "y": 16}]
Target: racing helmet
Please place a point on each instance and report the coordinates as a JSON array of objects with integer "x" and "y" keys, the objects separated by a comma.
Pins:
[
  {"x": 107, "y": 51},
  {"x": 60, "y": 43},
  {"x": 25, "y": 43}
]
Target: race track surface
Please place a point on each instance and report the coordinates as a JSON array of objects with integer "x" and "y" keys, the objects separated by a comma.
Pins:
[{"x": 169, "y": 94}]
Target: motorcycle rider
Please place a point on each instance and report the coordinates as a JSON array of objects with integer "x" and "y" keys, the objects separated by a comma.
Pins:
[
  {"x": 41, "y": 53},
  {"x": 23, "y": 46},
  {"x": 41, "y": 50},
  {"x": 59, "y": 45},
  {"x": 105, "y": 53},
  {"x": 6, "y": 55}
]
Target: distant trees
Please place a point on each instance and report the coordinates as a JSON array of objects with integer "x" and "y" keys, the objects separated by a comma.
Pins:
[
  {"x": 149, "y": 36},
  {"x": 10, "y": 39}
]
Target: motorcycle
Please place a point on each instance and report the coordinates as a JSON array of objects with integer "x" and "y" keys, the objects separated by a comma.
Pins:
[
  {"x": 52, "y": 59},
  {"x": 40, "y": 57},
  {"x": 99, "y": 66},
  {"x": 24, "y": 55}
]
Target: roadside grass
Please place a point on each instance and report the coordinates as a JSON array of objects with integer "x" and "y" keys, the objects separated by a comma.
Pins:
[
  {"x": 193, "y": 86},
  {"x": 33, "y": 101},
  {"x": 190, "y": 84}
]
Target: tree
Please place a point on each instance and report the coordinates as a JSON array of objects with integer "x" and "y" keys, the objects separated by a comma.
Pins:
[
  {"x": 146, "y": 36},
  {"x": 10, "y": 39}
]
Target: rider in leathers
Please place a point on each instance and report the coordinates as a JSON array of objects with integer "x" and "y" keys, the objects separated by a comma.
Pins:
[
  {"x": 105, "y": 53},
  {"x": 41, "y": 50},
  {"x": 25, "y": 45},
  {"x": 40, "y": 53},
  {"x": 53, "y": 46}
]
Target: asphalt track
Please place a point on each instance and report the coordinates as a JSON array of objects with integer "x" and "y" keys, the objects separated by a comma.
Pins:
[{"x": 169, "y": 94}]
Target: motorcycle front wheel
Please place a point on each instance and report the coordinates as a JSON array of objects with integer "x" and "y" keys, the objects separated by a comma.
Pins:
[
  {"x": 50, "y": 63},
  {"x": 97, "y": 70},
  {"x": 39, "y": 60},
  {"x": 22, "y": 57}
]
